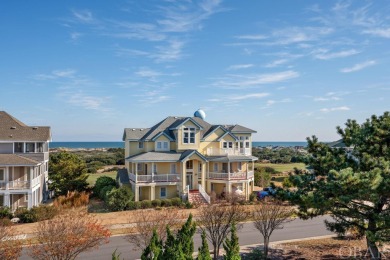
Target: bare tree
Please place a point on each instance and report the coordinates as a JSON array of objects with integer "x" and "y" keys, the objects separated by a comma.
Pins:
[
  {"x": 148, "y": 220},
  {"x": 10, "y": 247},
  {"x": 269, "y": 216},
  {"x": 216, "y": 219},
  {"x": 67, "y": 235}
]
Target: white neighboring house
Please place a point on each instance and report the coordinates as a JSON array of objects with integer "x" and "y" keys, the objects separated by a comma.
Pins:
[{"x": 24, "y": 163}]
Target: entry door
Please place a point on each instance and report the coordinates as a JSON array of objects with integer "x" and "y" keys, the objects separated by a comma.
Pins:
[{"x": 189, "y": 180}]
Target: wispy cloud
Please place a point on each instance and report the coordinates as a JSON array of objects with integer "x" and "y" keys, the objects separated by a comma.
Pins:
[
  {"x": 273, "y": 102},
  {"x": 359, "y": 66},
  {"x": 88, "y": 101},
  {"x": 55, "y": 74},
  {"x": 84, "y": 16},
  {"x": 324, "y": 54},
  {"x": 252, "y": 37},
  {"x": 381, "y": 32},
  {"x": 170, "y": 52},
  {"x": 250, "y": 81},
  {"x": 248, "y": 96},
  {"x": 240, "y": 66},
  {"x": 333, "y": 109},
  {"x": 276, "y": 63},
  {"x": 327, "y": 99}
]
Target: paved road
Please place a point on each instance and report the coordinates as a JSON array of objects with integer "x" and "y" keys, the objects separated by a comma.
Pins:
[{"x": 248, "y": 235}]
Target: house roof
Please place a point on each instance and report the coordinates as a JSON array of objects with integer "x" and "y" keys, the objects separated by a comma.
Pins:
[
  {"x": 16, "y": 160},
  {"x": 171, "y": 123},
  {"x": 239, "y": 129},
  {"x": 232, "y": 158},
  {"x": 337, "y": 144},
  {"x": 11, "y": 129},
  {"x": 164, "y": 156}
]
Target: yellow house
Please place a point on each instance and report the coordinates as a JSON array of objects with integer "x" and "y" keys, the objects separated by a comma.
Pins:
[{"x": 187, "y": 156}]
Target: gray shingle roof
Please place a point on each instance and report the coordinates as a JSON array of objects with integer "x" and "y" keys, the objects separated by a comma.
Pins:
[
  {"x": 11, "y": 129},
  {"x": 232, "y": 158},
  {"x": 155, "y": 157},
  {"x": 171, "y": 122},
  {"x": 239, "y": 129},
  {"x": 14, "y": 159}
]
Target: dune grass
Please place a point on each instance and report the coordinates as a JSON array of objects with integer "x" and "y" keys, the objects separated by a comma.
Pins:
[{"x": 282, "y": 167}]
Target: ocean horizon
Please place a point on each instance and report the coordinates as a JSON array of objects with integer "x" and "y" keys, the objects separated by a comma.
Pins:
[{"x": 96, "y": 145}]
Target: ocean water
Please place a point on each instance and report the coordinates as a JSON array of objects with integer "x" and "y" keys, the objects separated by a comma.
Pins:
[{"x": 93, "y": 145}]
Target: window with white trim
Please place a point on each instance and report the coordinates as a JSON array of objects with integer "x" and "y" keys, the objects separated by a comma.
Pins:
[
  {"x": 154, "y": 168},
  {"x": 239, "y": 166},
  {"x": 140, "y": 145},
  {"x": 163, "y": 192},
  {"x": 199, "y": 166},
  {"x": 215, "y": 167},
  {"x": 189, "y": 165},
  {"x": 2, "y": 174},
  {"x": 227, "y": 144},
  {"x": 189, "y": 135},
  {"x": 162, "y": 146},
  {"x": 30, "y": 147},
  {"x": 139, "y": 167},
  {"x": 173, "y": 168}
]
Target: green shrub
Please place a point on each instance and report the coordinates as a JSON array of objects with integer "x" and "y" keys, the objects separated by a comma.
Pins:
[
  {"x": 102, "y": 182},
  {"x": 166, "y": 203},
  {"x": 25, "y": 215},
  {"x": 104, "y": 191},
  {"x": 188, "y": 205},
  {"x": 146, "y": 204},
  {"x": 119, "y": 199},
  {"x": 252, "y": 196},
  {"x": 255, "y": 254},
  {"x": 44, "y": 212},
  {"x": 5, "y": 212},
  {"x": 132, "y": 205},
  {"x": 176, "y": 202},
  {"x": 156, "y": 203}
]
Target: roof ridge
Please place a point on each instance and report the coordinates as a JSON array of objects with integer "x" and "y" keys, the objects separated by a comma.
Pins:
[
  {"x": 28, "y": 159},
  {"x": 20, "y": 123}
]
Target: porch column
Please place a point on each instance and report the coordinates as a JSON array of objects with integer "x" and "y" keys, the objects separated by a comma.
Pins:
[
  {"x": 31, "y": 177},
  {"x": 229, "y": 188},
  {"x": 30, "y": 201},
  {"x": 246, "y": 190},
  {"x": 7, "y": 201},
  {"x": 6, "y": 178},
  {"x": 253, "y": 184},
  {"x": 136, "y": 193},
  {"x": 183, "y": 175},
  {"x": 152, "y": 192},
  {"x": 152, "y": 171},
  {"x": 228, "y": 170},
  {"x": 136, "y": 174},
  {"x": 246, "y": 174},
  {"x": 203, "y": 181}
]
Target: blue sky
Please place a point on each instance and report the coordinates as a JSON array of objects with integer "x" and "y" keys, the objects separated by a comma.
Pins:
[{"x": 288, "y": 69}]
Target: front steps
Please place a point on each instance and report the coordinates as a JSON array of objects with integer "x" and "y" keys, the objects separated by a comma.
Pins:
[{"x": 194, "y": 197}]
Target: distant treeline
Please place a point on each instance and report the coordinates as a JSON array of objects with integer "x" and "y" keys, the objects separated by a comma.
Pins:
[
  {"x": 96, "y": 159},
  {"x": 280, "y": 155}
]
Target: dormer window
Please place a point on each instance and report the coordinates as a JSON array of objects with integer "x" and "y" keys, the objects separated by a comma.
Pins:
[
  {"x": 189, "y": 135},
  {"x": 162, "y": 146},
  {"x": 140, "y": 145}
]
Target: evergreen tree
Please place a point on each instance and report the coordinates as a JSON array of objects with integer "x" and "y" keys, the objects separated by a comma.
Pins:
[
  {"x": 172, "y": 248},
  {"x": 203, "y": 251},
  {"x": 231, "y": 246},
  {"x": 153, "y": 250},
  {"x": 185, "y": 237},
  {"x": 67, "y": 172},
  {"x": 351, "y": 183}
]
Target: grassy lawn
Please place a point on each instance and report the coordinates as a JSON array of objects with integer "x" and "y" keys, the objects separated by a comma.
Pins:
[
  {"x": 282, "y": 167},
  {"x": 93, "y": 177}
]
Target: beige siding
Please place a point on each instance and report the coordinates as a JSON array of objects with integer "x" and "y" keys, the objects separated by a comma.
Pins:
[{"x": 171, "y": 192}]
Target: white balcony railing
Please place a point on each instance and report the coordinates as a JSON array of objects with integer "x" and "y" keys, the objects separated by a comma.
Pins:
[
  {"x": 204, "y": 194},
  {"x": 228, "y": 151},
  {"x": 154, "y": 178},
  {"x": 19, "y": 185},
  {"x": 231, "y": 175}
]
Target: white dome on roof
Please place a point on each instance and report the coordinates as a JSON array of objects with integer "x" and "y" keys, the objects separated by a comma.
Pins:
[{"x": 200, "y": 113}]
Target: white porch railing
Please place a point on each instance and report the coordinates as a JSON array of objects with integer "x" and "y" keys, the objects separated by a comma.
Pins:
[
  {"x": 204, "y": 194},
  {"x": 231, "y": 175},
  {"x": 18, "y": 185},
  {"x": 154, "y": 178},
  {"x": 228, "y": 151},
  {"x": 36, "y": 182}
]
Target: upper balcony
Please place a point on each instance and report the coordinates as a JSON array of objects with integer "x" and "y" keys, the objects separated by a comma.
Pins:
[
  {"x": 228, "y": 151},
  {"x": 20, "y": 184},
  {"x": 231, "y": 175},
  {"x": 150, "y": 178}
]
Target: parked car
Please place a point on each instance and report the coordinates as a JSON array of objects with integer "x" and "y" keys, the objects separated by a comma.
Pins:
[{"x": 265, "y": 192}]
